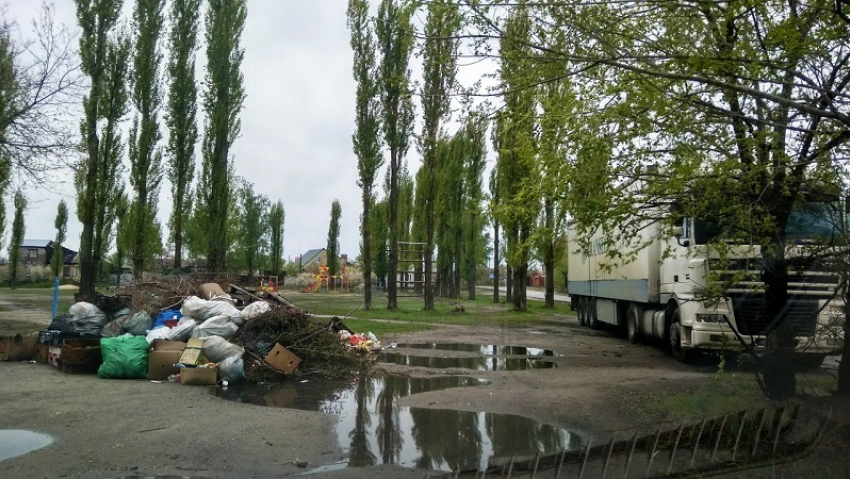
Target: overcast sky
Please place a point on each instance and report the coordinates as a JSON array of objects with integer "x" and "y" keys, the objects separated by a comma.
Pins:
[{"x": 297, "y": 121}]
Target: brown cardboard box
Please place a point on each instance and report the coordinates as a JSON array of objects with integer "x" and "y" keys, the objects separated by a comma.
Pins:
[
  {"x": 192, "y": 354},
  {"x": 18, "y": 347},
  {"x": 41, "y": 353},
  {"x": 199, "y": 375},
  {"x": 81, "y": 351},
  {"x": 282, "y": 359},
  {"x": 162, "y": 357}
]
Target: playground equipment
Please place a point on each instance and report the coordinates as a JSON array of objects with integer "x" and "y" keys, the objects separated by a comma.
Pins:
[
  {"x": 325, "y": 279},
  {"x": 268, "y": 283}
]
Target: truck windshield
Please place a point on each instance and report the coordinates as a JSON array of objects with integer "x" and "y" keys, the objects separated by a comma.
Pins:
[
  {"x": 808, "y": 222},
  {"x": 815, "y": 222}
]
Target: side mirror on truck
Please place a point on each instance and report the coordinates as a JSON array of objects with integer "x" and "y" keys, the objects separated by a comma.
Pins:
[{"x": 678, "y": 232}]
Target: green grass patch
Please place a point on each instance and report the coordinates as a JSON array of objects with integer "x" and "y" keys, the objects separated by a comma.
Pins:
[
  {"x": 481, "y": 311},
  {"x": 380, "y": 328},
  {"x": 724, "y": 393}
]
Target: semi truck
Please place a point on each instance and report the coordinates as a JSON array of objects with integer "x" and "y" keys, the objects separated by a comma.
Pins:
[{"x": 655, "y": 283}]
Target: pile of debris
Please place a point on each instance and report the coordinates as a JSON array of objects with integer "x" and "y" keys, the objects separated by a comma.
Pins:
[{"x": 191, "y": 333}]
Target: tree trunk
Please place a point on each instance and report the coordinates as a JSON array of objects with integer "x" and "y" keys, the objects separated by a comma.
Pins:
[
  {"x": 496, "y": 261},
  {"x": 392, "y": 287},
  {"x": 520, "y": 278},
  {"x": 178, "y": 238},
  {"x": 509, "y": 282},
  {"x": 549, "y": 254},
  {"x": 549, "y": 270},
  {"x": 777, "y": 363},
  {"x": 366, "y": 249}
]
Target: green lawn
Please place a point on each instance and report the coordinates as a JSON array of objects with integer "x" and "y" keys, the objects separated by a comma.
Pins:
[{"x": 481, "y": 311}]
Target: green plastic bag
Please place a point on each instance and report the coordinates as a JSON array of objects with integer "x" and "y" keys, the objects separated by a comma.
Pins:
[{"x": 124, "y": 357}]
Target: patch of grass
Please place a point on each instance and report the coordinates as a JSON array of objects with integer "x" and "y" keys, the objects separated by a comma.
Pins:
[
  {"x": 481, "y": 311},
  {"x": 723, "y": 394},
  {"x": 9, "y": 327},
  {"x": 380, "y": 328}
]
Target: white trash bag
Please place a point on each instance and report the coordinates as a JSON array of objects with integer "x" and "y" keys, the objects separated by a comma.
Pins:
[
  {"x": 216, "y": 326},
  {"x": 217, "y": 349},
  {"x": 255, "y": 309}
]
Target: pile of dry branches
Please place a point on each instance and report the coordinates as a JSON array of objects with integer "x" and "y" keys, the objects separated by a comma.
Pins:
[{"x": 316, "y": 343}]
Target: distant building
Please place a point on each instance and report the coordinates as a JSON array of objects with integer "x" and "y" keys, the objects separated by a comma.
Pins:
[
  {"x": 314, "y": 258},
  {"x": 35, "y": 252}
]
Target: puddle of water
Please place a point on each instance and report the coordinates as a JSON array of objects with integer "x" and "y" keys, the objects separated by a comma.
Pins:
[
  {"x": 492, "y": 363},
  {"x": 17, "y": 442},
  {"x": 373, "y": 429},
  {"x": 483, "y": 349}
]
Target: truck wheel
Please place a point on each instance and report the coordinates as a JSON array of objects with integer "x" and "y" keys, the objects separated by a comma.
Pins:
[
  {"x": 632, "y": 324},
  {"x": 592, "y": 320},
  {"x": 679, "y": 353}
]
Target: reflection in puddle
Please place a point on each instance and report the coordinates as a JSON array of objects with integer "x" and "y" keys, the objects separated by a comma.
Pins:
[
  {"x": 492, "y": 363},
  {"x": 17, "y": 442},
  {"x": 373, "y": 429},
  {"x": 483, "y": 349}
]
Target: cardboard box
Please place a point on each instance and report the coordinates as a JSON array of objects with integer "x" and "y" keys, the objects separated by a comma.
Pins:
[
  {"x": 192, "y": 355},
  {"x": 211, "y": 290},
  {"x": 162, "y": 357},
  {"x": 199, "y": 375},
  {"x": 81, "y": 351},
  {"x": 41, "y": 353},
  {"x": 18, "y": 347},
  {"x": 282, "y": 359}
]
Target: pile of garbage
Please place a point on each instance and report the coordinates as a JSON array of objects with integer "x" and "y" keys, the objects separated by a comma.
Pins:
[{"x": 198, "y": 334}]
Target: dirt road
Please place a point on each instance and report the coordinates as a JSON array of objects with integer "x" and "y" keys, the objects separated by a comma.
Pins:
[{"x": 113, "y": 428}]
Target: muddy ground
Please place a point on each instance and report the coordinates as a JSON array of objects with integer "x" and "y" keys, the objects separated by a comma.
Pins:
[{"x": 114, "y": 428}]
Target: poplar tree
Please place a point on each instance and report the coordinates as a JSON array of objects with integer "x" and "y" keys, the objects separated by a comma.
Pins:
[
  {"x": 145, "y": 154},
  {"x": 440, "y": 69},
  {"x": 222, "y": 100},
  {"x": 276, "y": 223},
  {"x": 518, "y": 175},
  {"x": 98, "y": 55},
  {"x": 473, "y": 248},
  {"x": 253, "y": 225},
  {"x": 395, "y": 43},
  {"x": 181, "y": 118},
  {"x": 17, "y": 239},
  {"x": 333, "y": 239},
  {"x": 61, "y": 224},
  {"x": 366, "y": 139}
]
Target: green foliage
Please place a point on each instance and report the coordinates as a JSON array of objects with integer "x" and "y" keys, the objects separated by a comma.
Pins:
[
  {"x": 222, "y": 99},
  {"x": 380, "y": 235},
  {"x": 366, "y": 139},
  {"x": 144, "y": 152},
  {"x": 439, "y": 70},
  {"x": 181, "y": 118},
  {"x": 276, "y": 219},
  {"x": 18, "y": 231},
  {"x": 123, "y": 234},
  {"x": 253, "y": 230},
  {"x": 394, "y": 35},
  {"x": 61, "y": 224},
  {"x": 333, "y": 239},
  {"x": 104, "y": 60}
]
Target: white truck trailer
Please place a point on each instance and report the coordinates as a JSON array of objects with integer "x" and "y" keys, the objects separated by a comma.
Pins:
[{"x": 660, "y": 291}]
